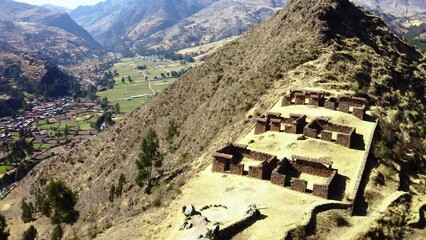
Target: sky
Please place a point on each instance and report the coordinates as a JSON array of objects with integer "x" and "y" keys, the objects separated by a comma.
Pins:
[{"x": 71, "y": 4}]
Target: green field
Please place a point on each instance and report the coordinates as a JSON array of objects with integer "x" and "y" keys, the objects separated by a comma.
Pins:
[
  {"x": 4, "y": 169},
  {"x": 122, "y": 92}
]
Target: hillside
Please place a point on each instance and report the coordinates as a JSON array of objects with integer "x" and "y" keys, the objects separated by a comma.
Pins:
[
  {"x": 43, "y": 33},
  {"x": 109, "y": 21},
  {"x": 328, "y": 44},
  {"x": 398, "y": 8},
  {"x": 231, "y": 18}
]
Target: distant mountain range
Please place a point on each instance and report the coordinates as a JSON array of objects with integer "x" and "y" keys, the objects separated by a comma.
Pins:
[
  {"x": 397, "y": 8},
  {"x": 176, "y": 24},
  {"x": 43, "y": 33},
  {"x": 171, "y": 23}
]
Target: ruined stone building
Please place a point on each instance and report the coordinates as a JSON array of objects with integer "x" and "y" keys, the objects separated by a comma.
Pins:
[{"x": 322, "y": 129}]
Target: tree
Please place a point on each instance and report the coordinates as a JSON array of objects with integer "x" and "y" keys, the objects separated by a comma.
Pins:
[
  {"x": 4, "y": 231},
  {"x": 149, "y": 159},
  {"x": 57, "y": 232},
  {"x": 62, "y": 201},
  {"x": 172, "y": 131},
  {"x": 27, "y": 212},
  {"x": 66, "y": 130},
  {"x": 111, "y": 193},
  {"x": 117, "y": 108},
  {"x": 121, "y": 182},
  {"x": 30, "y": 234}
]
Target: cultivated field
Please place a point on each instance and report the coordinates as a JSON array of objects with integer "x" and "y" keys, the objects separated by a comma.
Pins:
[{"x": 140, "y": 86}]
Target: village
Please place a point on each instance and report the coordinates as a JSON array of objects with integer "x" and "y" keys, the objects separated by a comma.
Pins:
[{"x": 51, "y": 127}]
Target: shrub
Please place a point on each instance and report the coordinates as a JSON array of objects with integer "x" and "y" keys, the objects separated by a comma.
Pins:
[
  {"x": 57, "y": 232},
  {"x": 4, "y": 231},
  {"x": 27, "y": 212},
  {"x": 30, "y": 234},
  {"x": 111, "y": 193}
]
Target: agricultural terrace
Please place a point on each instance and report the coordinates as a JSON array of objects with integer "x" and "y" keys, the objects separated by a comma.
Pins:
[{"x": 155, "y": 72}]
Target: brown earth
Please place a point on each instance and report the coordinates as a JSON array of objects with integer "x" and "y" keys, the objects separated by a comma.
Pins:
[{"x": 329, "y": 44}]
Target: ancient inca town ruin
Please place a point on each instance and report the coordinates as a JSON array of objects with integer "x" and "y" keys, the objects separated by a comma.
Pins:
[{"x": 301, "y": 172}]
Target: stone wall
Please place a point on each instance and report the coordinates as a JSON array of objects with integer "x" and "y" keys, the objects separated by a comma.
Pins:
[
  {"x": 330, "y": 104},
  {"x": 228, "y": 159},
  {"x": 299, "y": 185},
  {"x": 256, "y": 171},
  {"x": 219, "y": 166},
  {"x": 286, "y": 101},
  {"x": 323, "y": 190},
  {"x": 359, "y": 113},
  {"x": 237, "y": 169},
  {"x": 277, "y": 177},
  {"x": 261, "y": 126},
  {"x": 326, "y": 135},
  {"x": 345, "y": 134},
  {"x": 300, "y": 99},
  {"x": 312, "y": 166},
  {"x": 344, "y": 139},
  {"x": 275, "y": 125},
  {"x": 344, "y": 107},
  {"x": 352, "y": 101}
]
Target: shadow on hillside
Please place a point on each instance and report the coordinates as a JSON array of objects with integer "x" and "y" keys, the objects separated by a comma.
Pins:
[
  {"x": 358, "y": 142},
  {"x": 360, "y": 204}
]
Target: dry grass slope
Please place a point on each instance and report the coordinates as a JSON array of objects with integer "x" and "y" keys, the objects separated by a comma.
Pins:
[{"x": 210, "y": 105}]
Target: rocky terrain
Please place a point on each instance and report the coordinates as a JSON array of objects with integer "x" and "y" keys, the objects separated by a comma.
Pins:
[
  {"x": 43, "y": 33},
  {"x": 328, "y": 44}
]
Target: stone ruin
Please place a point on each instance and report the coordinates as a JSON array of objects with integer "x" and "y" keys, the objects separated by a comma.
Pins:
[
  {"x": 230, "y": 160},
  {"x": 302, "y": 97},
  {"x": 284, "y": 173},
  {"x": 323, "y": 129},
  {"x": 344, "y": 103},
  {"x": 287, "y": 174},
  {"x": 275, "y": 122}
]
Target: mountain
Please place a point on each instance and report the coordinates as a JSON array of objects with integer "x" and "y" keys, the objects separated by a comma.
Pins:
[
  {"x": 57, "y": 8},
  {"x": 113, "y": 20},
  {"x": 327, "y": 44},
  {"x": 220, "y": 20},
  {"x": 42, "y": 32},
  {"x": 170, "y": 24},
  {"x": 398, "y": 8}
]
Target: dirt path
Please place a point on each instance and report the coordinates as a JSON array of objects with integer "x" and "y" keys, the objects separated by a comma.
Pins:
[{"x": 145, "y": 77}]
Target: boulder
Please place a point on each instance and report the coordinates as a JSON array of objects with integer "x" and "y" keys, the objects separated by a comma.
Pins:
[{"x": 189, "y": 210}]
